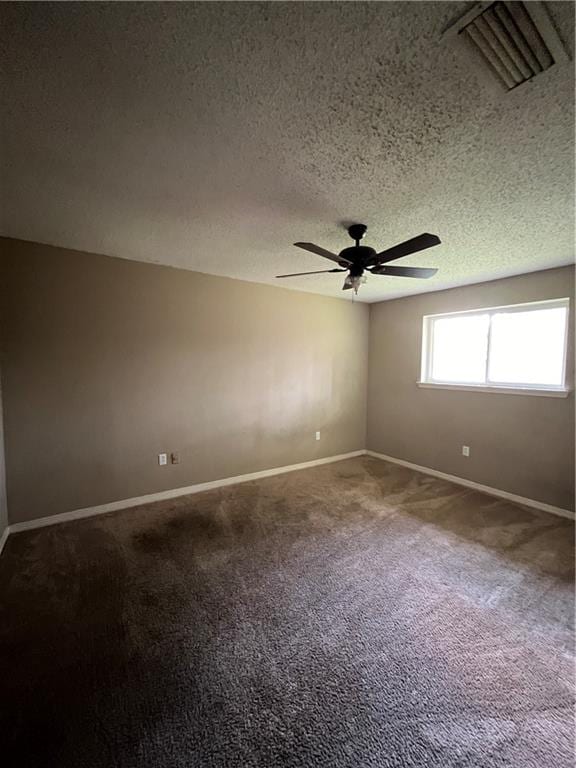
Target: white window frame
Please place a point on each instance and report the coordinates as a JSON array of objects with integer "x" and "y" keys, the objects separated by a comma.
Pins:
[{"x": 427, "y": 381}]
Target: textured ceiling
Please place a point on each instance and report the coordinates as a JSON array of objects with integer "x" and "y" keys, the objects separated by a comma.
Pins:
[{"x": 212, "y": 136}]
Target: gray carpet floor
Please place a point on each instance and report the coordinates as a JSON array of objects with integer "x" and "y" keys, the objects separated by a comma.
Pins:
[{"x": 352, "y": 615}]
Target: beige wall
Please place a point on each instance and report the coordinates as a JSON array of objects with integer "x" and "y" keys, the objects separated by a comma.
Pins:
[
  {"x": 521, "y": 444},
  {"x": 107, "y": 362}
]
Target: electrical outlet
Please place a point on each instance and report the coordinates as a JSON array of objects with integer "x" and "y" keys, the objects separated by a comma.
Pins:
[
  {"x": 162, "y": 459},
  {"x": 465, "y": 450},
  {"x": 317, "y": 435},
  {"x": 175, "y": 457}
]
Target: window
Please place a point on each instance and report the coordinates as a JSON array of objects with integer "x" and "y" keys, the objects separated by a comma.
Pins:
[{"x": 520, "y": 347}]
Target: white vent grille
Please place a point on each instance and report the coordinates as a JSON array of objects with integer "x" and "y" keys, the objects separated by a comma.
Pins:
[
  {"x": 514, "y": 42},
  {"x": 510, "y": 42}
]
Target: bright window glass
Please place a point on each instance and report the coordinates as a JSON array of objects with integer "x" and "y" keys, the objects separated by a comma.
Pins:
[
  {"x": 460, "y": 346},
  {"x": 528, "y": 347},
  {"x": 517, "y": 346}
]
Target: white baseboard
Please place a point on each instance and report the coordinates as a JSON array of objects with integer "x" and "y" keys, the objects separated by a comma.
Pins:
[
  {"x": 477, "y": 486},
  {"x": 4, "y": 537},
  {"x": 78, "y": 514}
]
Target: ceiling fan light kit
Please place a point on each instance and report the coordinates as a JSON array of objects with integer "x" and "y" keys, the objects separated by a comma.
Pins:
[{"x": 359, "y": 259}]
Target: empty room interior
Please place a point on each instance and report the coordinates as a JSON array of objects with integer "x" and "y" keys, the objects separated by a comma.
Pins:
[{"x": 287, "y": 438}]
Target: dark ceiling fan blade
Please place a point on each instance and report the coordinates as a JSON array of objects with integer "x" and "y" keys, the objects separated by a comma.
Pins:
[
  {"x": 415, "y": 244},
  {"x": 320, "y": 252},
  {"x": 317, "y": 272},
  {"x": 421, "y": 272}
]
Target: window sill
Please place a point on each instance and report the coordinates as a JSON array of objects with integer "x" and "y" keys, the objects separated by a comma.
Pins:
[{"x": 497, "y": 390}]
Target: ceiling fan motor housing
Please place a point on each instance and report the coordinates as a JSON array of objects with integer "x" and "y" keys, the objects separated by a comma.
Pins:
[{"x": 357, "y": 255}]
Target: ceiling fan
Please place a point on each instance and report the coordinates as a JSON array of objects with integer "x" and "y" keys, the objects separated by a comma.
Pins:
[{"x": 358, "y": 259}]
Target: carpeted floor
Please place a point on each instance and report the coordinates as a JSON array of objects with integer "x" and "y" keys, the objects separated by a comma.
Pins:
[{"x": 353, "y": 615}]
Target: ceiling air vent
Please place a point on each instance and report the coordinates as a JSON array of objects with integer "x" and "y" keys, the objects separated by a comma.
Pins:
[{"x": 514, "y": 40}]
